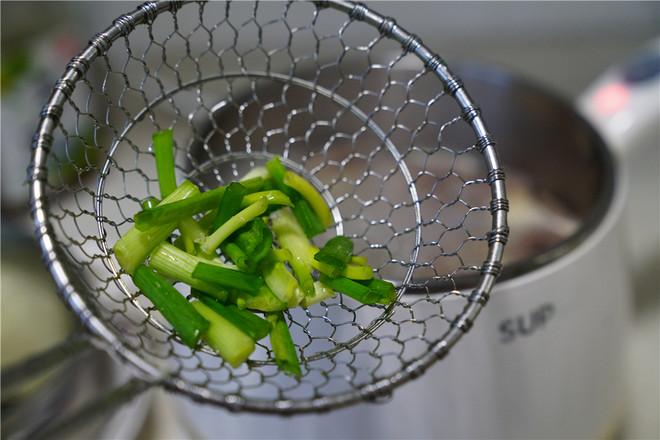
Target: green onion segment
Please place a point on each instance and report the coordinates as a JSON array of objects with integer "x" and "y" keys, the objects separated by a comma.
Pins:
[{"x": 245, "y": 251}]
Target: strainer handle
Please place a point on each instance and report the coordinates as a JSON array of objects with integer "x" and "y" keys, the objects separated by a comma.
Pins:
[
  {"x": 15, "y": 376},
  {"x": 26, "y": 385}
]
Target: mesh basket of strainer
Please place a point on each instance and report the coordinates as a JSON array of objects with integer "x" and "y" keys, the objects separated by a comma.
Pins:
[{"x": 349, "y": 100}]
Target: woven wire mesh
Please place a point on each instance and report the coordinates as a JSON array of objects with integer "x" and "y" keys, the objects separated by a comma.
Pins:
[{"x": 348, "y": 100}]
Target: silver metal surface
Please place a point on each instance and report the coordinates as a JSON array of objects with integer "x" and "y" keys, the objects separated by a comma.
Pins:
[{"x": 323, "y": 85}]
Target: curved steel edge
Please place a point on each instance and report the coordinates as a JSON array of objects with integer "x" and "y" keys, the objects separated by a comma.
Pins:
[{"x": 102, "y": 336}]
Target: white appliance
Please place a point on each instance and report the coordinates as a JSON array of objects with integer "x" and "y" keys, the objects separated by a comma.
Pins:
[{"x": 624, "y": 105}]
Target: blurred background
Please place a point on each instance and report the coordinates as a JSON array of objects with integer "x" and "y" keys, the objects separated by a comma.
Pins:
[{"x": 579, "y": 52}]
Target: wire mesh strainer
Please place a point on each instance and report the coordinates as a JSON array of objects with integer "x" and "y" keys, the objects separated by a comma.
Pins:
[{"x": 350, "y": 100}]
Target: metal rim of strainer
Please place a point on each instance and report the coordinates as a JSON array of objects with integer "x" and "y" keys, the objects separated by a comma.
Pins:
[{"x": 104, "y": 336}]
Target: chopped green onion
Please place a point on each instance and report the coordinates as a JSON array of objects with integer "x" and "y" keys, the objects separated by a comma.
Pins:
[
  {"x": 206, "y": 221},
  {"x": 336, "y": 252},
  {"x": 251, "y": 235},
  {"x": 330, "y": 271},
  {"x": 309, "y": 193},
  {"x": 307, "y": 218},
  {"x": 238, "y": 256},
  {"x": 211, "y": 242},
  {"x": 191, "y": 232},
  {"x": 279, "y": 254},
  {"x": 385, "y": 290},
  {"x": 179, "y": 265},
  {"x": 228, "y": 278},
  {"x": 361, "y": 272},
  {"x": 291, "y": 236},
  {"x": 255, "y": 239},
  {"x": 230, "y": 204},
  {"x": 186, "y": 321},
  {"x": 265, "y": 300},
  {"x": 178, "y": 210},
  {"x": 284, "y": 349},
  {"x": 355, "y": 290},
  {"x": 135, "y": 246},
  {"x": 187, "y": 208},
  {"x": 280, "y": 280},
  {"x": 357, "y": 260},
  {"x": 233, "y": 345},
  {"x": 256, "y": 172},
  {"x": 149, "y": 203},
  {"x": 309, "y": 221},
  {"x": 164, "y": 153},
  {"x": 321, "y": 292},
  {"x": 274, "y": 197},
  {"x": 273, "y": 268},
  {"x": 246, "y": 321}
]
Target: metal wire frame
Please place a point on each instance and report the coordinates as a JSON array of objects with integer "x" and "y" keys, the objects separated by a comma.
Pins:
[{"x": 75, "y": 291}]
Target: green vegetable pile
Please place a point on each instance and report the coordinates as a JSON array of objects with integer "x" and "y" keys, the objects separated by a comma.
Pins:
[{"x": 245, "y": 251}]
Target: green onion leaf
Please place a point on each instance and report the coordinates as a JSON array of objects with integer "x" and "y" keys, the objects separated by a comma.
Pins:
[
  {"x": 280, "y": 280},
  {"x": 211, "y": 242},
  {"x": 228, "y": 278},
  {"x": 355, "y": 290},
  {"x": 238, "y": 256},
  {"x": 264, "y": 301},
  {"x": 246, "y": 321},
  {"x": 164, "y": 153},
  {"x": 189, "y": 207},
  {"x": 233, "y": 345},
  {"x": 179, "y": 265},
  {"x": 370, "y": 291},
  {"x": 230, "y": 204},
  {"x": 309, "y": 221},
  {"x": 185, "y": 320},
  {"x": 273, "y": 196},
  {"x": 135, "y": 246},
  {"x": 290, "y": 236},
  {"x": 307, "y": 218},
  {"x": 321, "y": 292},
  {"x": 177, "y": 211},
  {"x": 385, "y": 290},
  {"x": 311, "y": 195},
  {"x": 283, "y": 348},
  {"x": 336, "y": 252},
  {"x": 255, "y": 238}
]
